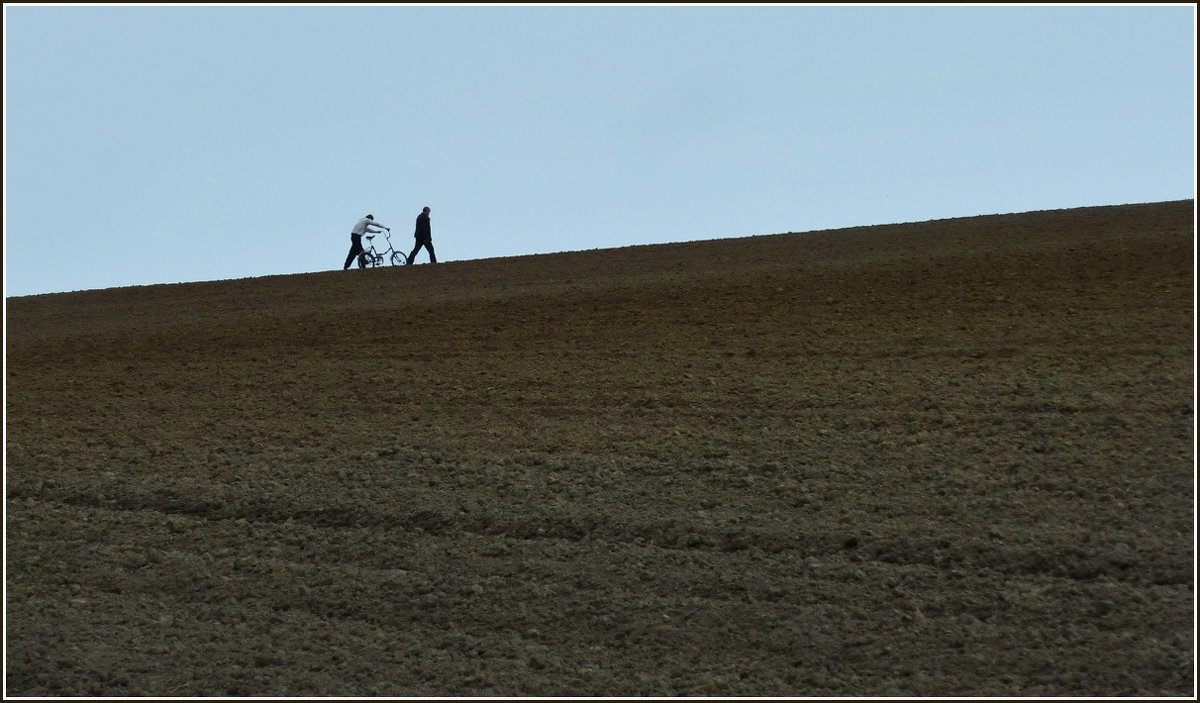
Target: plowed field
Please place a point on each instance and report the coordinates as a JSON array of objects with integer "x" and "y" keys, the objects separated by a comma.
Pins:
[{"x": 949, "y": 458}]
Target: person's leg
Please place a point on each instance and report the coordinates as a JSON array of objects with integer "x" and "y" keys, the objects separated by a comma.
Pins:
[
  {"x": 355, "y": 250},
  {"x": 413, "y": 255},
  {"x": 432, "y": 256}
]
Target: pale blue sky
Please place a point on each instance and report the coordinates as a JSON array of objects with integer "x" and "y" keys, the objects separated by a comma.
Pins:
[{"x": 173, "y": 143}]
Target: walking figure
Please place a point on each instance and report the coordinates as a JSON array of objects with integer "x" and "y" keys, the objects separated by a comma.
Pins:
[
  {"x": 423, "y": 236},
  {"x": 361, "y": 227}
]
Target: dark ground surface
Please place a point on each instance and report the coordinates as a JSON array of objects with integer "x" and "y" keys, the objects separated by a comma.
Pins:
[{"x": 951, "y": 458}]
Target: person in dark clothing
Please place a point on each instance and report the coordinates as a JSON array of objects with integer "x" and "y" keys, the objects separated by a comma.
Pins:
[
  {"x": 361, "y": 227},
  {"x": 423, "y": 236}
]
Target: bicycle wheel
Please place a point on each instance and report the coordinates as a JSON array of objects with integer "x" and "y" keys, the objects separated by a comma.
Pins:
[
  {"x": 399, "y": 259},
  {"x": 365, "y": 261}
]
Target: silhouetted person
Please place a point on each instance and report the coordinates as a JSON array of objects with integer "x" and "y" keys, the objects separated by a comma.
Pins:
[
  {"x": 424, "y": 237},
  {"x": 361, "y": 227}
]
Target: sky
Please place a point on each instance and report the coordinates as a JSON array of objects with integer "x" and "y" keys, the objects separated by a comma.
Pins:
[{"x": 152, "y": 144}]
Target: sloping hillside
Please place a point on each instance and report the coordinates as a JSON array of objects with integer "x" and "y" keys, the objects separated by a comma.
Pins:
[{"x": 948, "y": 458}]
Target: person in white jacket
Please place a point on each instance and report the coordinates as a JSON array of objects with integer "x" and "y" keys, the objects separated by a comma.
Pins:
[{"x": 361, "y": 227}]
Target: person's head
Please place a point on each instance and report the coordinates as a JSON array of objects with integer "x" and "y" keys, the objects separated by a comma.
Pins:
[
  {"x": 426, "y": 210},
  {"x": 370, "y": 217}
]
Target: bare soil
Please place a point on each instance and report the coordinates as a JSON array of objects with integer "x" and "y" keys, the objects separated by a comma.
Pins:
[{"x": 948, "y": 458}]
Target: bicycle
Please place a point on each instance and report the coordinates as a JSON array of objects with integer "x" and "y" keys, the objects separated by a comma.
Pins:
[{"x": 374, "y": 257}]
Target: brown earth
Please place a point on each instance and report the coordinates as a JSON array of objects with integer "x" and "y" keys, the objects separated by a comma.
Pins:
[{"x": 948, "y": 458}]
